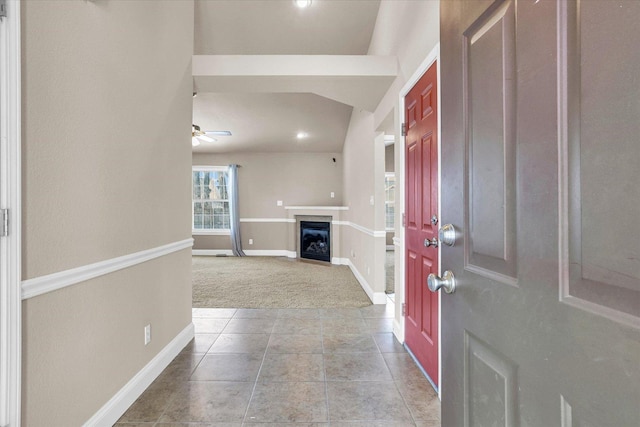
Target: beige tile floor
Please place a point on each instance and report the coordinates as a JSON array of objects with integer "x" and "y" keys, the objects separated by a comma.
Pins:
[{"x": 289, "y": 367}]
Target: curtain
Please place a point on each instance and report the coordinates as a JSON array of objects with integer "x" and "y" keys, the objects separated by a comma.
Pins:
[{"x": 234, "y": 213}]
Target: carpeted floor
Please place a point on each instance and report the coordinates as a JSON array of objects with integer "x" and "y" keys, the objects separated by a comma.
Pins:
[
  {"x": 273, "y": 282},
  {"x": 389, "y": 267}
]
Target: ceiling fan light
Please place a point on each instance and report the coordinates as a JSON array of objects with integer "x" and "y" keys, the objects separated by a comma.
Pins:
[{"x": 194, "y": 141}]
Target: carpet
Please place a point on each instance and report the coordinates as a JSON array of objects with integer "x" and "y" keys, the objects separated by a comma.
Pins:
[
  {"x": 389, "y": 267},
  {"x": 273, "y": 282}
]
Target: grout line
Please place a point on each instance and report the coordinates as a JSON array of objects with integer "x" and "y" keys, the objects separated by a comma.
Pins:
[{"x": 255, "y": 384}]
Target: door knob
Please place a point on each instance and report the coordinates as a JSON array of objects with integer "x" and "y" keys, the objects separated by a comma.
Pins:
[
  {"x": 447, "y": 234},
  {"x": 448, "y": 282},
  {"x": 433, "y": 242}
]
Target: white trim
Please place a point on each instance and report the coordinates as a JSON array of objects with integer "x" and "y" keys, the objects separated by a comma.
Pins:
[
  {"x": 372, "y": 233},
  {"x": 434, "y": 55},
  {"x": 286, "y": 220},
  {"x": 326, "y": 208},
  {"x": 398, "y": 330},
  {"x": 52, "y": 282},
  {"x": 266, "y": 252},
  {"x": 375, "y": 297},
  {"x": 340, "y": 261},
  {"x": 124, "y": 398},
  {"x": 10, "y": 198},
  {"x": 210, "y": 232},
  {"x": 391, "y": 248},
  {"x": 292, "y": 254},
  {"x": 210, "y": 168},
  {"x": 211, "y": 252}
]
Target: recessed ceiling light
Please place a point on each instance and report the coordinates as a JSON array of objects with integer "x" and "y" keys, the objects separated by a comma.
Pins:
[
  {"x": 302, "y": 3},
  {"x": 301, "y": 135}
]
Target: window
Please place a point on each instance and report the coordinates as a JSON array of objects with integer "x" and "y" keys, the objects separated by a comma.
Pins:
[
  {"x": 210, "y": 200},
  {"x": 389, "y": 199}
]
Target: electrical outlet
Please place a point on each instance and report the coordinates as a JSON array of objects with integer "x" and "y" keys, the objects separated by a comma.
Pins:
[
  {"x": 147, "y": 334},
  {"x": 279, "y": 203},
  {"x": 251, "y": 241},
  {"x": 333, "y": 195}
]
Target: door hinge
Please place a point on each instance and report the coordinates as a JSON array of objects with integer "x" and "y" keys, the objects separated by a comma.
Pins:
[
  {"x": 404, "y": 222},
  {"x": 5, "y": 221},
  {"x": 3, "y": 8},
  {"x": 404, "y": 309},
  {"x": 403, "y": 129}
]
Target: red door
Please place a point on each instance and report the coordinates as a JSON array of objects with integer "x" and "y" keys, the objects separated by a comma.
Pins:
[{"x": 421, "y": 157}]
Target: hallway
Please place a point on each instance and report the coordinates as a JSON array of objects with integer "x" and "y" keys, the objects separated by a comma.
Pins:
[{"x": 319, "y": 367}]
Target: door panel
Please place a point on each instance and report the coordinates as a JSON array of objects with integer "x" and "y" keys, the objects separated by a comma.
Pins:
[
  {"x": 488, "y": 72},
  {"x": 540, "y": 158},
  {"x": 601, "y": 259},
  {"x": 421, "y": 156}
]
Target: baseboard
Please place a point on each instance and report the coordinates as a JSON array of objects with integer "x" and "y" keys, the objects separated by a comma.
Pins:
[
  {"x": 211, "y": 252},
  {"x": 340, "y": 261},
  {"x": 375, "y": 297},
  {"x": 265, "y": 252},
  {"x": 248, "y": 252},
  {"x": 123, "y": 399}
]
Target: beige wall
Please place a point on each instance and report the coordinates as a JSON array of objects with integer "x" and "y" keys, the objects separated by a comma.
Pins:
[
  {"x": 408, "y": 30},
  {"x": 106, "y": 158},
  {"x": 364, "y": 179},
  {"x": 298, "y": 179}
]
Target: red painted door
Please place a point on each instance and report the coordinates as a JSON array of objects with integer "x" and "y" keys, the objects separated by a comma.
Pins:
[{"x": 421, "y": 157}]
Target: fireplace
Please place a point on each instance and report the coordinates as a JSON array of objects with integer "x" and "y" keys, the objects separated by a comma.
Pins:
[{"x": 315, "y": 240}]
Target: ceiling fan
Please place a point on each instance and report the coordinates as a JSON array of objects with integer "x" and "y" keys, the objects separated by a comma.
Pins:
[{"x": 198, "y": 135}]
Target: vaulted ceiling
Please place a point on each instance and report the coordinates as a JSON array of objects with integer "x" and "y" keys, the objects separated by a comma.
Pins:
[{"x": 266, "y": 70}]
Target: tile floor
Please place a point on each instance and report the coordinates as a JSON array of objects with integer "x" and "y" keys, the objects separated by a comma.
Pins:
[{"x": 289, "y": 367}]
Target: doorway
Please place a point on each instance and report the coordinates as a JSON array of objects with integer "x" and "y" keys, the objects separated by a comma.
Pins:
[{"x": 10, "y": 298}]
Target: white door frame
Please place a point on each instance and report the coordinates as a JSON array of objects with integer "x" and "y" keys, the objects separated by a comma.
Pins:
[
  {"x": 10, "y": 246},
  {"x": 433, "y": 56}
]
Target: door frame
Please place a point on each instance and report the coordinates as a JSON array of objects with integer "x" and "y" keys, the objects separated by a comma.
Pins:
[
  {"x": 433, "y": 56},
  {"x": 10, "y": 198}
]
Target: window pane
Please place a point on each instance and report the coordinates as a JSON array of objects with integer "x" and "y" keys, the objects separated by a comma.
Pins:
[{"x": 210, "y": 187}]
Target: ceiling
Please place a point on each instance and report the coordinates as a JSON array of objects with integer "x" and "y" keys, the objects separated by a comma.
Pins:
[{"x": 264, "y": 116}]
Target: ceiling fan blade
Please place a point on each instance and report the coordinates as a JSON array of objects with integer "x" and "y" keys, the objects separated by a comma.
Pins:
[{"x": 205, "y": 138}]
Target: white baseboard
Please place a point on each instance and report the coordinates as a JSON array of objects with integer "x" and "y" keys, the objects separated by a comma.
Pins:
[
  {"x": 340, "y": 261},
  {"x": 265, "y": 252},
  {"x": 375, "y": 297},
  {"x": 123, "y": 399},
  {"x": 211, "y": 252},
  {"x": 292, "y": 254}
]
